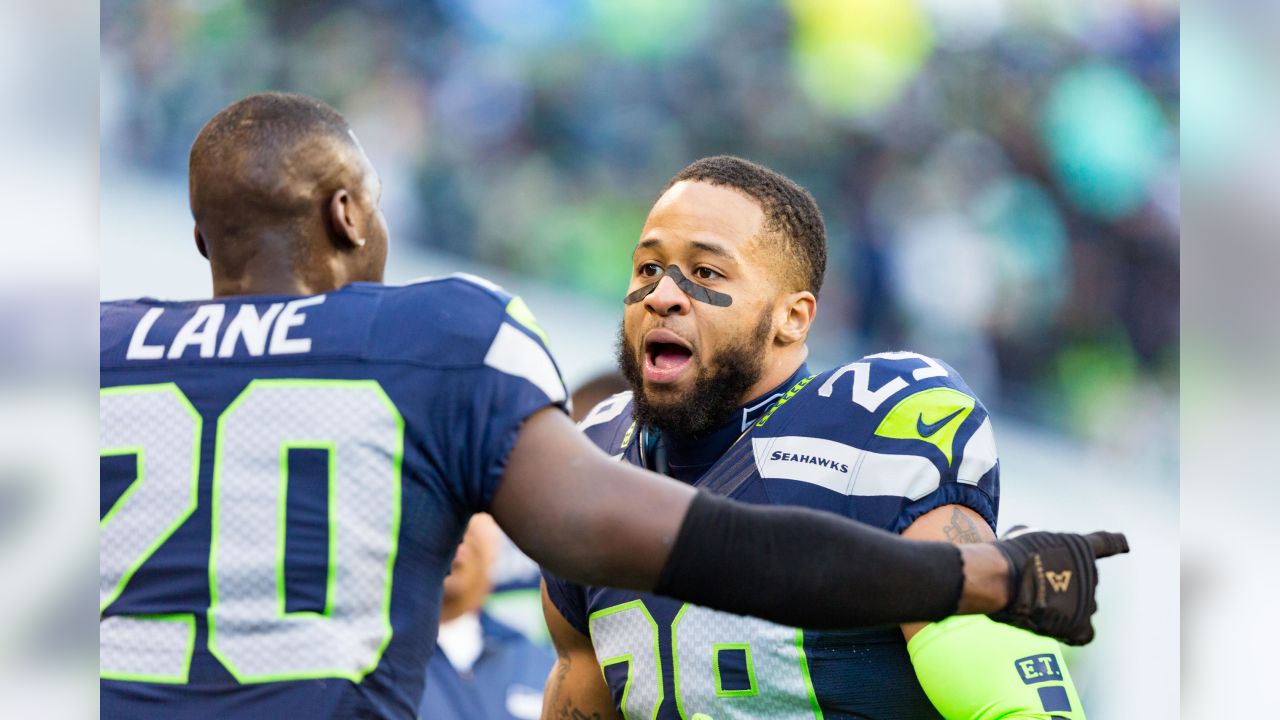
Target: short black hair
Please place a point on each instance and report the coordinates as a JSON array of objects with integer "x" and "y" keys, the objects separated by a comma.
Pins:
[
  {"x": 271, "y": 121},
  {"x": 789, "y": 211},
  {"x": 253, "y": 140}
]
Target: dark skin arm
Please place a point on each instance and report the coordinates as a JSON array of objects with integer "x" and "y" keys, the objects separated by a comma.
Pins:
[
  {"x": 575, "y": 689},
  {"x": 558, "y": 488}
]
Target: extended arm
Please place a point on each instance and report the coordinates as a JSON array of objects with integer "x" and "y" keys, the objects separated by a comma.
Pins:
[
  {"x": 576, "y": 689},
  {"x": 558, "y": 489},
  {"x": 973, "y": 668}
]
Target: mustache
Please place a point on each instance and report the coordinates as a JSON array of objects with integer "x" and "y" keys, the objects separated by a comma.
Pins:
[
  {"x": 717, "y": 388},
  {"x": 637, "y": 348}
]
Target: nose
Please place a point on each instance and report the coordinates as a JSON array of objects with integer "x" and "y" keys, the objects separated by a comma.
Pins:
[{"x": 667, "y": 299}]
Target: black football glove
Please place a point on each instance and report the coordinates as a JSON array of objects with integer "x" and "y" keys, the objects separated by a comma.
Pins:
[{"x": 1052, "y": 579}]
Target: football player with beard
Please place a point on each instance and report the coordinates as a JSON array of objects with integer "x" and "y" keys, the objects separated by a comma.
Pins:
[
  {"x": 287, "y": 466},
  {"x": 724, "y": 289}
]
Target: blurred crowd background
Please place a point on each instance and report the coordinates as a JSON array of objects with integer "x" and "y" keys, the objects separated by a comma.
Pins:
[{"x": 999, "y": 178}]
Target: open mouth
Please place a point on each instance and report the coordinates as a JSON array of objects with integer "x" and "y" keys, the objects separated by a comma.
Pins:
[{"x": 666, "y": 356}]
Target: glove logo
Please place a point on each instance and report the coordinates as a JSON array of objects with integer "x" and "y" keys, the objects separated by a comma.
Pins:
[{"x": 1059, "y": 581}]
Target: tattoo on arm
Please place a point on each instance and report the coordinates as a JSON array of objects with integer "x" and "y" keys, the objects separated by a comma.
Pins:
[
  {"x": 569, "y": 712},
  {"x": 563, "y": 709},
  {"x": 961, "y": 529},
  {"x": 554, "y": 683}
]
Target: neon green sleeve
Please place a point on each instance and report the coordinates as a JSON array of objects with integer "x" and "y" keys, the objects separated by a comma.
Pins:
[{"x": 973, "y": 668}]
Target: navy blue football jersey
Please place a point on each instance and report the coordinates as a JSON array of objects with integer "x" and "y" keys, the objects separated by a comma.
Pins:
[
  {"x": 284, "y": 482},
  {"x": 883, "y": 441}
]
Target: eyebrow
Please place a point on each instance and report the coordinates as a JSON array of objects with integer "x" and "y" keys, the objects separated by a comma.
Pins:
[{"x": 701, "y": 245}]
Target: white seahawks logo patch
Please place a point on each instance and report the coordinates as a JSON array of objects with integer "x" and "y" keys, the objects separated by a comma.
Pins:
[
  {"x": 843, "y": 468},
  {"x": 821, "y": 462}
]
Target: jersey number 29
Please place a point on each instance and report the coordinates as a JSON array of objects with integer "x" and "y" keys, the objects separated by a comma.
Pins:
[{"x": 777, "y": 673}]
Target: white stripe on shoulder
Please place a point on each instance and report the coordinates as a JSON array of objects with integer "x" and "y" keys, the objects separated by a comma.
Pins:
[
  {"x": 515, "y": 353},
  {"x": 468, "y": 277},
  {"x": 843, "y": 468},
  {"x": 424, "y": 280},
  {"x": 911, "y": 476},
  {"x": 477, "y": 280},
  {"x": 608, "y": 409},
  {"x": 820, "y": 462},
  {"x": 979, "y": 454}
]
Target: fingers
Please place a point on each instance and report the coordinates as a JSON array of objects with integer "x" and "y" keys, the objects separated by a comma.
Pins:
[
  {"x": 1106, "y": 544},
  {"x": 1016, "y": 531},
  {"x": 1083, "y": 637}
]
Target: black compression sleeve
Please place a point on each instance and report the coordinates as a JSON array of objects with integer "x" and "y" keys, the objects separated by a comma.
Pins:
[{"x": 806, "y": 568}]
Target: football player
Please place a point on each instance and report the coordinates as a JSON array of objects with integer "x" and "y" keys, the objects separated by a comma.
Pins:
[
  {"x": 724, "y": 288},
  {"x": 287, "y": 468}
]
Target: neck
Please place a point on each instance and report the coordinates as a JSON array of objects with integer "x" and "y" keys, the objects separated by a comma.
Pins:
[
  {"x": 276, "y": 278},
  {"x": 263, "y": 286},
  {"x": 687, "y": 458},
  {"x": 452, "y": 607},
  {"x": 777, "y": 372},
  {"x": 276, "y": 260}
]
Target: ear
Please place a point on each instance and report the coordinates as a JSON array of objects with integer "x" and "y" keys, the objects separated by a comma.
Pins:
[
  {"x": 204, "y": 252},
  {"x": 344, "y": 217},
  {"x": 795, "y": 315}
]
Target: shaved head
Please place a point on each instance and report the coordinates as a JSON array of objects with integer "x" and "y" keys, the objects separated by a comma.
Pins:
[{"x": 278, "y": 185}]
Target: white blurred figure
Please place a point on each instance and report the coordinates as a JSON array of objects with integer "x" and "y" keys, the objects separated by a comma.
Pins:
[
  {"x": 482, "y": 669},
  {"x": 47, "y": 412}
]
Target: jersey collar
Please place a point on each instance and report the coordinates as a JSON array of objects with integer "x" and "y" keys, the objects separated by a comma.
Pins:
[{"x": 688, "y": 458}]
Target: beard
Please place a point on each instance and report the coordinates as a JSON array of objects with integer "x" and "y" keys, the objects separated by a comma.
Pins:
[{"x": 717, "y": 388}]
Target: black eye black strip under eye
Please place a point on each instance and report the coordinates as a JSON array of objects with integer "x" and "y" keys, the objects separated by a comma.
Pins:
[{"x": 690, "y": 288}]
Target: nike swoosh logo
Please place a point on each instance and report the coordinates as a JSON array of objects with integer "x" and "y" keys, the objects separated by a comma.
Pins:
[{"x": 925, "y": 429}]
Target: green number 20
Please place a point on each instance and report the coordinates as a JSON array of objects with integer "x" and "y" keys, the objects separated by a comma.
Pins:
[
  {"x": 778, "y": 684},
  {"x": 250, "y": 632}
]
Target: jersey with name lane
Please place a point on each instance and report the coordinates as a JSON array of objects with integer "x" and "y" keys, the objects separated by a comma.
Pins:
[
  {"x": 882, "y": 440},
  {"x": 284, "y": 482}
]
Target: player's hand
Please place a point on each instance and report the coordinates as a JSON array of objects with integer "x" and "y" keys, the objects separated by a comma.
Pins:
[{"x": 1053, "y": 577}]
